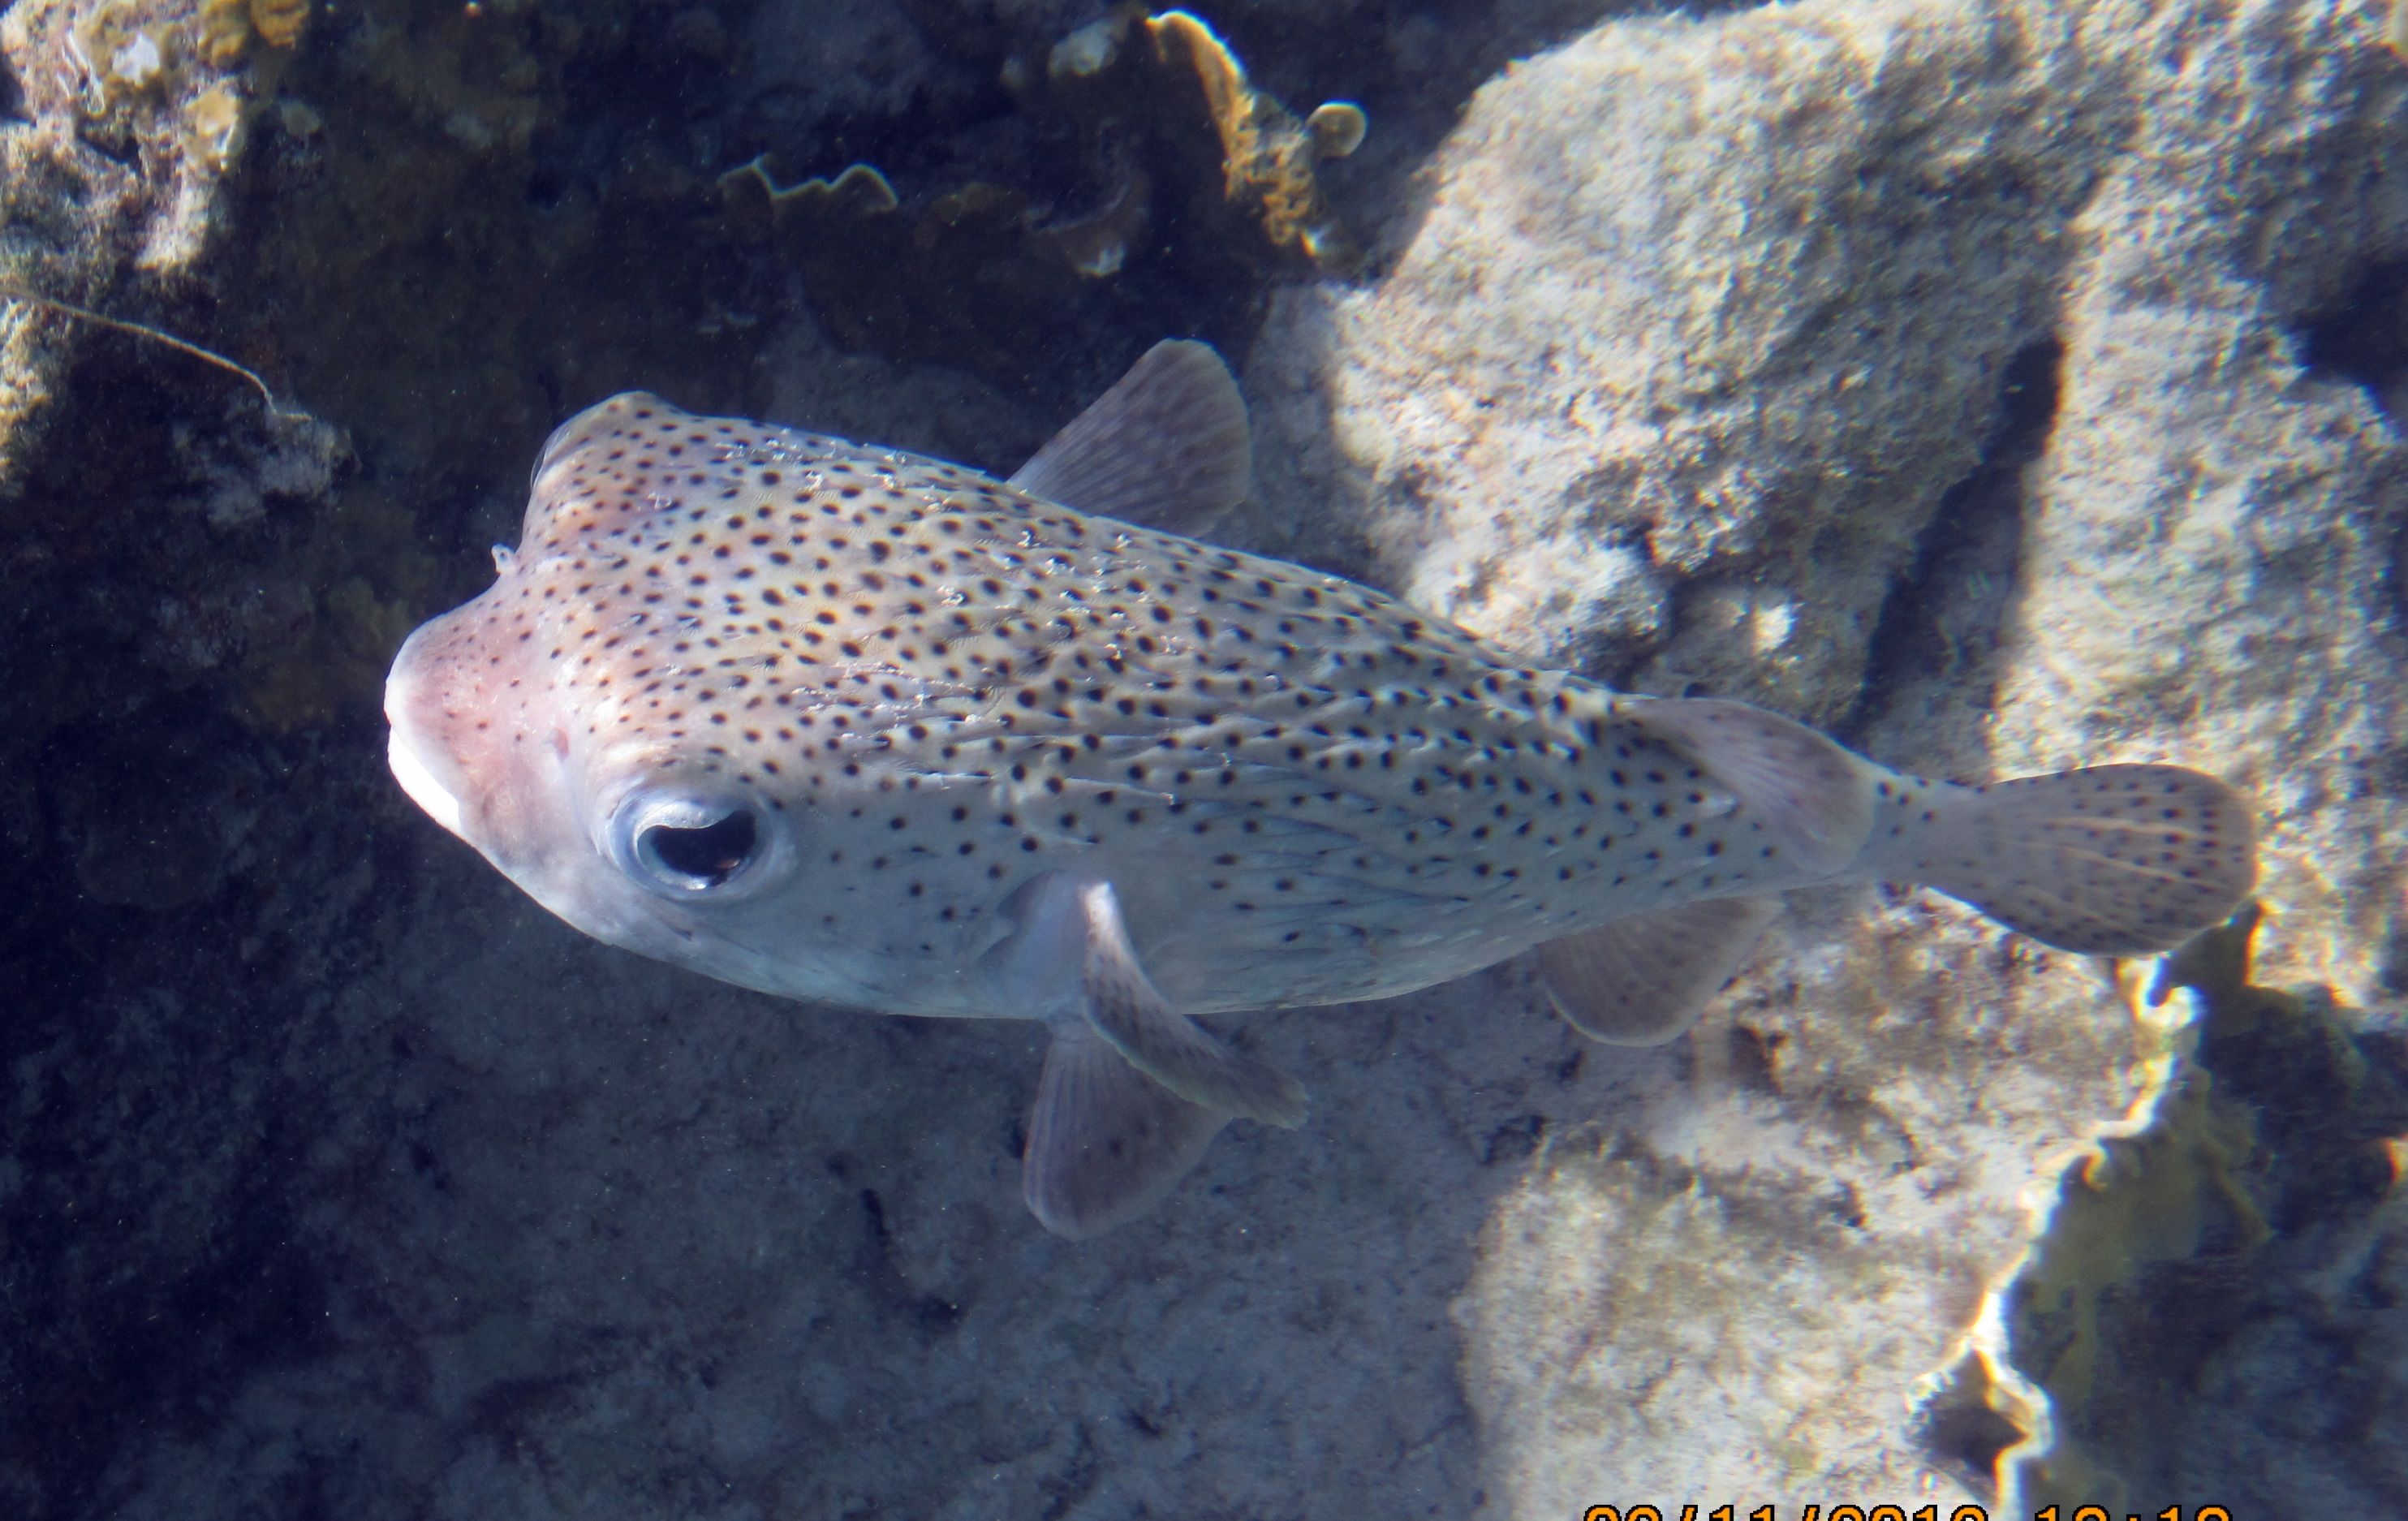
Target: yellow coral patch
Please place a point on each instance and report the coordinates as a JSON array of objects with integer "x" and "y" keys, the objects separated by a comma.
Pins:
[
  {"x": 1268, "y": 157},
  {"x": 280, "y": 23},
  {"x": 213, "y": 126},
  {"x": 225, "y": 27}
]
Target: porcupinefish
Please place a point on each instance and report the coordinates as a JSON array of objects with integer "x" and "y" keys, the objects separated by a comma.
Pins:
[{"x": 866, "y": 728}]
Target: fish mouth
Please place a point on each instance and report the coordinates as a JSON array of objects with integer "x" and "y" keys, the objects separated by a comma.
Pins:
[
  {"x": 417, "y": 780},
  {"x": 411, "y": 767}
]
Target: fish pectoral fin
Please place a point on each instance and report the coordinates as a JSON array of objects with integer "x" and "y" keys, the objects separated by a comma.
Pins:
[
  {"x": 1133, "y": 1090},
  {"x": 1167, "y": 446},
  {"x": 1105, "y": 1140},
  {"x": 1123, "y": 1006},
  {"x": 1642, "y": 980},
  {"x": 1812, "y": 798}
]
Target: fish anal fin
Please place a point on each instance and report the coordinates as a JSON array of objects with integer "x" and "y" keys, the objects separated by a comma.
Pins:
[
  {"x": 1105, "y": 1142},
  {"x": 1811, "y": 795},
  {"x": 1124, "y": 1007},
  {"x": 1644, "y": 979},
  {"x": 1167, "y": 446}
]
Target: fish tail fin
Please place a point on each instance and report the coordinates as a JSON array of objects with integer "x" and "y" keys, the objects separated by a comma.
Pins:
[{"x": 2108, "y": 860}]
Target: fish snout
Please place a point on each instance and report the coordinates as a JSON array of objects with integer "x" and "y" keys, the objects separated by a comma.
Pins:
[
  {"x": 425, "y": 767},
  {"x": 480, "y": 753}
]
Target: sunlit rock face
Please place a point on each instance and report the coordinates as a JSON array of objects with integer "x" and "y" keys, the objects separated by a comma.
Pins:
[
  {"x": 2007, "y": 383},
  {"x": 2003, "y": 386}
]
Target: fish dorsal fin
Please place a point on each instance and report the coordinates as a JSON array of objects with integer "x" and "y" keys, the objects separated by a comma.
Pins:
[
  {"x": 1105, "y": 1140},
  {"x": 1167, "y": 446},
  {"x": 599, "y": 420},
  {"x": 1811, "y": 797},
  {"x": 1642, "y": 980}
]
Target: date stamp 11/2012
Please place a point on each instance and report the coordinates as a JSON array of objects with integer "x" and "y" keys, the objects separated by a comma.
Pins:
[{"x": 1815, "y": 1512}]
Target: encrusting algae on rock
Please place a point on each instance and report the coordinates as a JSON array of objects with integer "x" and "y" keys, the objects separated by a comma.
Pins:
[
  {"x": 228, "y": 27},
  {"x": 1163, "y": 118},
  {"x": 2272, "y": 1113},
  {"x": 1268, "y": 157},
  {"x": 189, "y": 57}
]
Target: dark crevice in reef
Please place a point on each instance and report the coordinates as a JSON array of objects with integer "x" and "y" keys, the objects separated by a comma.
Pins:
[
  {"x": 186, "y": 912},
  {"x": 1942, "y": 621},
  {"x": 449, "y": 301},
  {"x": 1184, "y": 275},
  {"x": 167, "y": 1352},
  {"x": 2363, "y": 340},
  {"x": 1962, "y": 1433}
]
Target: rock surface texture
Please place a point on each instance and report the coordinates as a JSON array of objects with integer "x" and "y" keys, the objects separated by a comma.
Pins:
[
  {"x": 2003, "y": 384},
  {"x": 2006, "y": 384}
]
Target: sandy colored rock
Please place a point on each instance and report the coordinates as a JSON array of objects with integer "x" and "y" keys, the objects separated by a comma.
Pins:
[
  {"x": 73, "y": 202},
  {"x": 1703, "y": 321},
  {"x": 1848, "y": 357},
  {"x": 1938, "y": 369}
]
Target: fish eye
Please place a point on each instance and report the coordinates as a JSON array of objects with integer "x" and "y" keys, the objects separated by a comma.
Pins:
[
  {"x": 709, "y": 854},
  {"x": 689, "y": 846}
]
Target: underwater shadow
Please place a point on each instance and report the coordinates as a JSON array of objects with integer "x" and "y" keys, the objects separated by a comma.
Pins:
[
  {"x": 1943, "y": 638},
  {"x": 780, "y": 1250}
]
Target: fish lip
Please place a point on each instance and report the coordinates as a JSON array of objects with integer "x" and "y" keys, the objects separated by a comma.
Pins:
[
  {"x": 417, "y": 780},
  {"x": 419, "y": 773},
  {"x": 410, "y": 766}
]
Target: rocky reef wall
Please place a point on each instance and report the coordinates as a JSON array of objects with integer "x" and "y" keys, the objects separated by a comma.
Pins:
[
  {"x": 1969, "y": 377},
  {"x": 2002, "y": 383}
]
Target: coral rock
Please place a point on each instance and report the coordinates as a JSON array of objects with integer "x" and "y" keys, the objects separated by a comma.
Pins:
[{"x": 1972, "y": 377}]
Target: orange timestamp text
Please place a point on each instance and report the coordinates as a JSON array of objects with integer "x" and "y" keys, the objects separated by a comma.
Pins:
[{"x": 1815, "y": 1512}]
